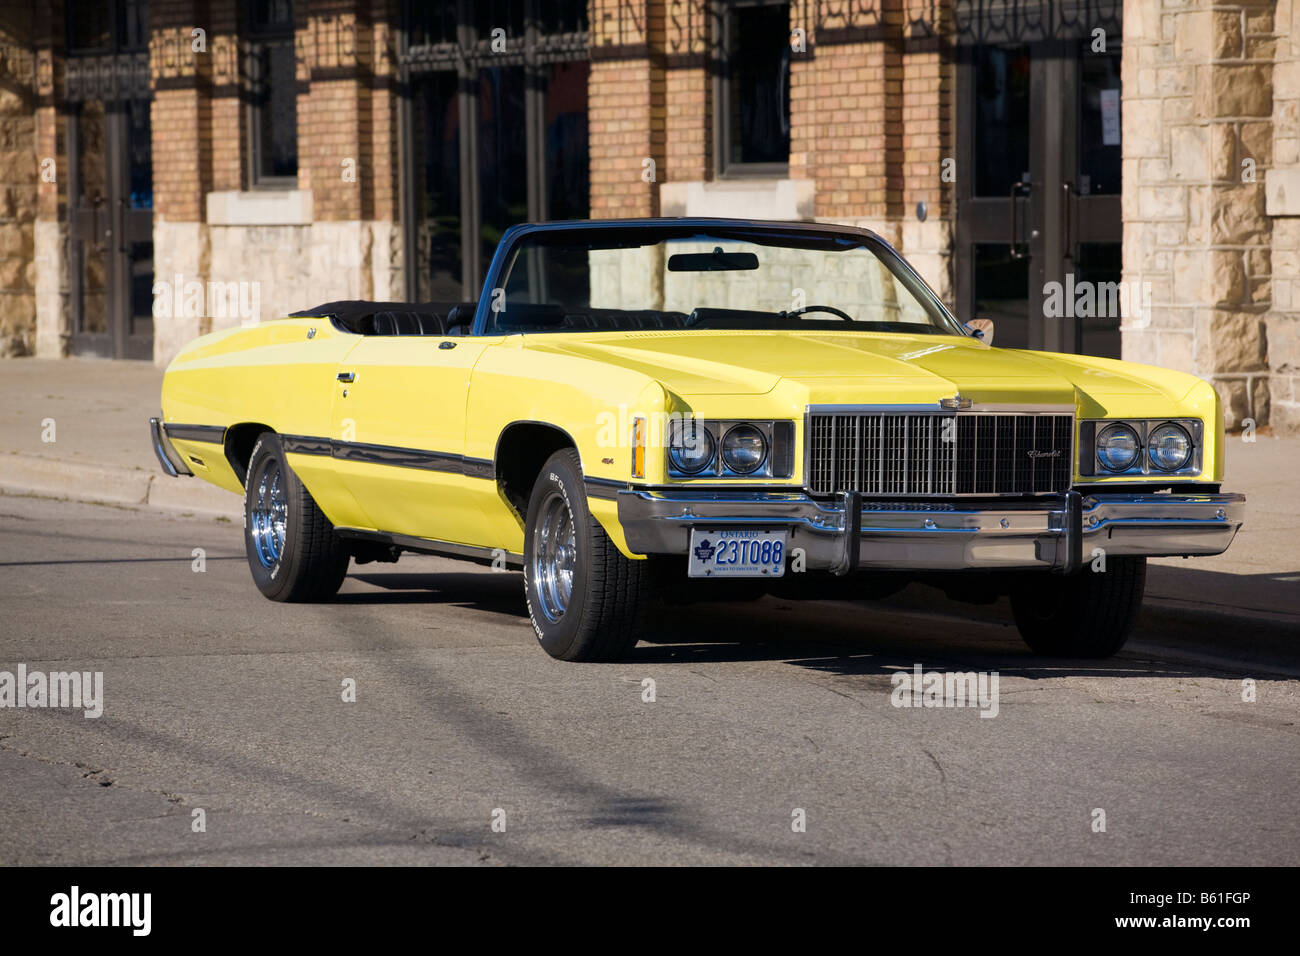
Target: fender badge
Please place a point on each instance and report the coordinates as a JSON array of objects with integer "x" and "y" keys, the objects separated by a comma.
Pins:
[{"x": 957, "y": 401}]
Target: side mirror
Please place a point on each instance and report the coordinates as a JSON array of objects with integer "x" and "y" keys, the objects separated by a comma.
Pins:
[{"x": 981, "y": 329}]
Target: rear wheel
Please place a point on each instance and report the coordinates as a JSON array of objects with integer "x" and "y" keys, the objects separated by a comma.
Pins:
[
  {"x": 586, "y": 600},
  {"x": 292, "y": 550},
  {"x": 1089, "y": 614}
]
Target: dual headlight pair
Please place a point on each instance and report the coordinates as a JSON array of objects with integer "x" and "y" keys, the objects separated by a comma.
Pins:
[
  {"x": 730, "y": 449},
  {"x": 1164, "y": 447}
]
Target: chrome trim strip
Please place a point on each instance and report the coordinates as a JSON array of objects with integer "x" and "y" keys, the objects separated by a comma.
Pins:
[
  {"x": 604, "y": 488},
  {"x": 163, "y": 449},
  {"x": 392, "y": 455},
  {"x": 446, "y": 549},
  {"x": 937, "y": 409},
  {"x": 396, "y": 456},
  {"x": 216, "y": 434},
  {"x": 305, "y": 445},
  {"x": 478, "y": 468}
]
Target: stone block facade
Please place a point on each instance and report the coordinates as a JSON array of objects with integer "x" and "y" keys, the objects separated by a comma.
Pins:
[{"x": 1210, "y": 99}]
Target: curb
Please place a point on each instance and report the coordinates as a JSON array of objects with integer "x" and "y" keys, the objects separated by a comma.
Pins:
[{"x": 32, "y": 474}]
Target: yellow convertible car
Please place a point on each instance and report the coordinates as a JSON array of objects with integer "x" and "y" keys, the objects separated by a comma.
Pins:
[{"x": 641, "y": 410}]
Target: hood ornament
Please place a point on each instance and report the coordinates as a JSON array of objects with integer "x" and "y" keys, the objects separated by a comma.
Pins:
[{"x": 957, "y": 401}]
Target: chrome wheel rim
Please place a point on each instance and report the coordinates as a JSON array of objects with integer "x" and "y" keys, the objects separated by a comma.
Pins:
[
  {"x": 555, "y": 548},
  {"x": 269, "y": 513}
]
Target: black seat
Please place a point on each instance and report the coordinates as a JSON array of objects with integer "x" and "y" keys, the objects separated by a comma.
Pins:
[
  {"x": 408, "y": 323},
  {"x": 530, "y": 317}
]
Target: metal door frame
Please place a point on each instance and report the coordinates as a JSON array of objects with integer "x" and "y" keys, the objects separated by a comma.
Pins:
[{"x": 1052, "y": 207}]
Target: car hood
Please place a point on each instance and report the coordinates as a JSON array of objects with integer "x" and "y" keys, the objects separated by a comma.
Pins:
[{"x": 833, "y": 368}]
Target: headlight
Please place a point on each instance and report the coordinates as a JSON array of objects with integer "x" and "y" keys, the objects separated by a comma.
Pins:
[
  {"x": 744, "y": 449},
  {"x": 690, "y": 447},
  {"x": 1169, "y": 447},
  {"x": 1117, "y": 447}
]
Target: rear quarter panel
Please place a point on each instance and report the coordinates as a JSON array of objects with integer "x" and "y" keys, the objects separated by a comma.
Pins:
[{"x": 271, "y": 374}]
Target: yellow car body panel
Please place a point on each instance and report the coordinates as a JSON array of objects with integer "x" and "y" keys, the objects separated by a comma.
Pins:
[
  {"x": 414, "y": 392},
  {"x": 826, "y": 444}
]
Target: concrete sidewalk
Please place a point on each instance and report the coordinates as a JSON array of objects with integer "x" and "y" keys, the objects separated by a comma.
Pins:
[
  {"x": 100, "y": 412},
  {"x": 101, "y": 452}
]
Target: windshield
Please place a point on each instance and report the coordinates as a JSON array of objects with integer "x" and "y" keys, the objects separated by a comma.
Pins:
[{"x": 629, "y": 279}]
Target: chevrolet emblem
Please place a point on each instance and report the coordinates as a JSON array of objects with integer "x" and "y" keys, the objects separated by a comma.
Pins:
[{"x": 957, "y": 401}]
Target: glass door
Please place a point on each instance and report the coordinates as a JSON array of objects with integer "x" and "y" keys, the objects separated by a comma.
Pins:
[
  {"x": 111, "y": 228},
  {"x": 1094, "y": 226},
  {"x": 1038, "y": 192},
  {"x": 995, "y": 178}
]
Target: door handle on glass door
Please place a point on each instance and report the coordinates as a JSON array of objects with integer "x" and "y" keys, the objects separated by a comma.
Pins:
[
  {"x": 1068, "y": 243},
  {"x": 1016, "y": 188}
]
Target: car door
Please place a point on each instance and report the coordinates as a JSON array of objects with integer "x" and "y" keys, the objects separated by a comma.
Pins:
[{"x": 398, "y": 431}]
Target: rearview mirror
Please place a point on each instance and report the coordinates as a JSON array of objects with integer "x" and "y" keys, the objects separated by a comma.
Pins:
[
  {"x": 715, "y": 261},
  {"x": 981, "y": 329}
]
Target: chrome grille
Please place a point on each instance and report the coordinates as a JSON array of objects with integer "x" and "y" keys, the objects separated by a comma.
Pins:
[{"x": 923, "y": 453}]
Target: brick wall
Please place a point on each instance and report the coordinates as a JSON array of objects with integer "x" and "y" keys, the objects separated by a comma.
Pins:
[
  {"x": 847, "y": 114},
  {"x": 343, "y": 240},
  {"x": 626, "y": 107}
]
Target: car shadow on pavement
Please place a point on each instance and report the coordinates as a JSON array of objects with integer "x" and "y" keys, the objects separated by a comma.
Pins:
[
  {"x": 917, "y": 625},
  {"x": 921, "y": 626},
  {"x": 501, "y": 593}
]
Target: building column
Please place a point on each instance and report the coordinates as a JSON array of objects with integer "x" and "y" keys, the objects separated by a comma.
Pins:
[
  {"x": 181, "y": 78},
  {"x": 1283, "y": 204},
  {"x": 1197, "y": 125},
  {"x": 53, "y": 312}
]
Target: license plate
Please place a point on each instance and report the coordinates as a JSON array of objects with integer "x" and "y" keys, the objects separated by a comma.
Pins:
[{"x": 734, "y": 553}]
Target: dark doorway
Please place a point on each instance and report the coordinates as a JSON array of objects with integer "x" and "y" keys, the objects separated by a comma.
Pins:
[
  {"x": 110, "y": 180},
  {"x": 494, "y": 131},
  {"x": 1038, "y": 186}
]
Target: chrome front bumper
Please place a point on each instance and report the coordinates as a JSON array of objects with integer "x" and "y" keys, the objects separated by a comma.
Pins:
[{"x": 845, "y": 533}]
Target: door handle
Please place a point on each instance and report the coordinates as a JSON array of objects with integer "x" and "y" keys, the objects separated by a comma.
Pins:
[
  {"x": 1016, "y": 188},
  {"x": 1068, "y": 251},
  {"x": 347, "y": 376}
]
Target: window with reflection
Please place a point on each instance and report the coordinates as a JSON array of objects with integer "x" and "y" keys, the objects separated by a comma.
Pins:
[
  {"x": 498, "y": 130},
  {"x": 273, "y": 94},
  {"x": 754, "y": 87}
]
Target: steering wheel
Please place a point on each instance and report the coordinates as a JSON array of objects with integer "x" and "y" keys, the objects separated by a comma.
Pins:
[{"x": 817, "y": 308}]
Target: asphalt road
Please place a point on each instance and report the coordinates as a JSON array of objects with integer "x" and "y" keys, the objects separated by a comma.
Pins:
[{"x": 219, "y": 700}]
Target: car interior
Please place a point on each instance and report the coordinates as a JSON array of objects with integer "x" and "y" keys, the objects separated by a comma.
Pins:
[
  {"x": 435, "y": 319},
  {"x": 396, "y": 318}
]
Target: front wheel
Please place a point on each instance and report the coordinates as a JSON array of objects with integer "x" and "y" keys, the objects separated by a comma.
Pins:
[
  {"x": 586, "y": 600},
  {"x": 1088, "y": 614},
  {"x": 291, "y": 546}
]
